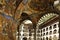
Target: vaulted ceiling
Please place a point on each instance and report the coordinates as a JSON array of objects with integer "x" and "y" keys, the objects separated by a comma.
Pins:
[
  {"x": 35, "y": 6},
  {"x": 15, "y": 8}
]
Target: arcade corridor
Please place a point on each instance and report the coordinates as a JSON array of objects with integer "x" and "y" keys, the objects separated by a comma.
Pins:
[{"x": 29, "y": 19}]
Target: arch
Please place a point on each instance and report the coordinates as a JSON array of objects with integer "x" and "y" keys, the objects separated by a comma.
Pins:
[
  {"x": 23, "y": 18},
  {"x": 46, "y": 17},
  {"x": 27, "y": 21},
  {"x": 27, "y": 24}
]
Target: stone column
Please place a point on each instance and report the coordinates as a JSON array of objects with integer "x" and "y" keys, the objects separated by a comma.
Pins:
[{"x": 34, "y": 32}]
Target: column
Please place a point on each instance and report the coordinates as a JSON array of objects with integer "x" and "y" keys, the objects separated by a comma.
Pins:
[
  {"x": 59, "y": 26},
  {"x": 34, "y": 32}
]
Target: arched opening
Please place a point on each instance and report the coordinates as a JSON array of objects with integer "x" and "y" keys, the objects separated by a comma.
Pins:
[
  {"x": 48, "y": 25},
  {"x": 25, "y": 30}
]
